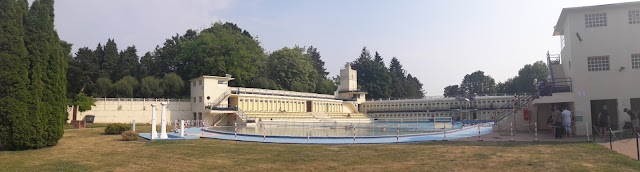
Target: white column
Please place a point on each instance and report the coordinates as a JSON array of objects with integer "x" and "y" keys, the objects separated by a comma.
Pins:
[
  {"x": 181, "y": 128},
  {"x": 163, "y": 123},
  {"x": 154, "y": 133}
]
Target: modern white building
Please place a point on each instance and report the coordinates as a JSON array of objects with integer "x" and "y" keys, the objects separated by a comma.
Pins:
[{"x": 599, "y": 64}]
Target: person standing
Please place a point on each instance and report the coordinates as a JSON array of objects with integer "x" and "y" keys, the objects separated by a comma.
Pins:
[
  {"x": 603, "y": 120},
  {"x": 633, "y": 116},
  {"x": 557, "y": 121},
  {"x": 566, "y": 121}
]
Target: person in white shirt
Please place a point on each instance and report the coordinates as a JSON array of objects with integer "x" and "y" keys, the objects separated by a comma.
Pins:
[{"x": 566, "y": 120}]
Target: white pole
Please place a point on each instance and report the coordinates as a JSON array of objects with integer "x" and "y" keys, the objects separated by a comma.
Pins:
[
  {"x": 535, "y": 125},
  {"x": 264, "y": 134},
  {"x": 182, "y": 128},
  {"x": 154, "y": 133},
  {"x": 398, "y": 133},
  {"x": 479, "y": 137},
  {"x": 445, "y": 132},
  {"x": 235, "y": 130},
  {"x": 354, "y": 134},
  {"x": 163, "y": 122},
  {"x": 586, "y": 126},
  {"x": 134, "y": 125},
  {"x": 511, "y": 128}
]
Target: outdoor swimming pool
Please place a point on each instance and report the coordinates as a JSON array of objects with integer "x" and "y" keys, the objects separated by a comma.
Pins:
[{"x": 345, "y": 133}]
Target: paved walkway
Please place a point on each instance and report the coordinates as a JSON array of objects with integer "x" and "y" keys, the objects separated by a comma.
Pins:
[
  {"x": 527, "y": 136},
  {"x": 625, "y": 146}
]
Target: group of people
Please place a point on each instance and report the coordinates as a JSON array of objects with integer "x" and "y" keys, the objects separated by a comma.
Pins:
[
  {"x": 602, "y": 121},
  {"x": 562, "y": 121},
  {"x": 542, "y": 88}
]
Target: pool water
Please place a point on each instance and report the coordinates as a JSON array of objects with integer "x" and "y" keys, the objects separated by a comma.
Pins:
[{"x": 348, "y": 134}]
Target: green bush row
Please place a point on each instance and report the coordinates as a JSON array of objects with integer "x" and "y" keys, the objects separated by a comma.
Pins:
[{"x": 114, "y": 129}]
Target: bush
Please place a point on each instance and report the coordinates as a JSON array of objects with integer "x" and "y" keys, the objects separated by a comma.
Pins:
[
  {"x": 113, "y": 129},
  {"x": 129, "y": 135}
]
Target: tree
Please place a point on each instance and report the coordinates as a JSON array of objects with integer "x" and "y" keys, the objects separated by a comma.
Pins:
[
  {"x": 318, "y": 64},
  {"x": 146, "y": 65},
  {"x": 103, "y": 86},
  {"x": 478, "y": 83},
  {"x": 151, "y": 87},
  {"x": 16, "y": 126},
  {"x": 452, "y": 91},
  {"x": 523, "y": 82},
  {"x": 413, "y": 87},
  {"x": 290, "y": 69},
  {"x": 111, "y": 59},
  {"x": 83, "y": 69},
  {"x": 398, "y": 79},
  {"x": 122, "y": 88},
  {"x": 219, "y": 50},
  {"x": 81, "y": 102},
  {"x": 373, "y": 77},
  {"x": 172, "y": 85},
  {"x": 128, "y": 63},
  {"x": 378, "y": 58}
]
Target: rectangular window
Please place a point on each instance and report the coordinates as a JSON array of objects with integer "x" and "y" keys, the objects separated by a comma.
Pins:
[
  {"x": 200, "y": 99},
  {"x": 598, "y": 63},
  {"x": 199, "y": 82},
  {"x": 595, "y": 20},
  {"x": 635, "y": 61},
  {"x": 634, "y": 17}
]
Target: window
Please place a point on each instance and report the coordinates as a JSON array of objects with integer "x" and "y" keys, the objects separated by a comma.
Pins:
[
  {"x": 634, "y": 17},
  {"x": 199, "y": 82},
  {"x": 194, "y": 98},
  {"x": 598, "y": 63},
  {"x": 595, "y": 20},
  {"x": 200, "y": 99},
  {"x": 635, "y": 61},
  {"x": 193, "y": 84}
]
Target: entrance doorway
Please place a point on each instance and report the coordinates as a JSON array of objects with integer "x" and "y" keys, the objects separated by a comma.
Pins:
[
  {"x": 612, "y": 108},
  {"x": 309, "y": 106}
]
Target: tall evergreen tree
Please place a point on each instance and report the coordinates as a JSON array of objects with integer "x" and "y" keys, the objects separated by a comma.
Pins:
[
  {"x": 99, "y": 53},
  {"x": 111, "y": 59},
  {"x": 146, "y": 65},
  {"x": 373, "y": 77},
  {"x": 16, "y": 128},
  {"x": 378, "y": 58},
  {"x": 128, "y": 63},
  {"x": 398, "y": 79}
]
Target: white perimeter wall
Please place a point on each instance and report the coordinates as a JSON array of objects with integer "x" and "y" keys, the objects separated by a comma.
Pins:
[{"x": 124, "y": 110}]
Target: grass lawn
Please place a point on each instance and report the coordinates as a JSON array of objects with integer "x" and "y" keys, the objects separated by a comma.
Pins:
[{"x": 90, "y": 150}]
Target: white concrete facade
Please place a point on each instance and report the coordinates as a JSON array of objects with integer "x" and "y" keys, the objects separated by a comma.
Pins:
[{"x": 586, "y": 33}]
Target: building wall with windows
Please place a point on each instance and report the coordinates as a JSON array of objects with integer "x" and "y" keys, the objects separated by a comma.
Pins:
[{"x": 600, "y": 45}]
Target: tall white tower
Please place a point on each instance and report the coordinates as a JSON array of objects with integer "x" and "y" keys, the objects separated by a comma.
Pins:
[{"x": 348, "y": 88}]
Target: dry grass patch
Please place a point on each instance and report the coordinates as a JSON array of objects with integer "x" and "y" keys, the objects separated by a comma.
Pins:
[{"x": 91, "y": 150}]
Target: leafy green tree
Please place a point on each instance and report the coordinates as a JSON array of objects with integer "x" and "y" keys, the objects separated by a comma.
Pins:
[
  {"x": 81, "y": 102},
  {"x": 219, "y": 50},
  {"x": 292, "y": 70},
  {"x": 523, "y": 82},
  {"x": 16, "y": 126},
  {"x": 103, "y": 86},
  {"x": 452, "y": 91},
  {"x": 172, "y": 85},
  {"x": 122, "y": 88},
  {"x": 151, "y": 87},
  {"x": 478, "y": 83}
]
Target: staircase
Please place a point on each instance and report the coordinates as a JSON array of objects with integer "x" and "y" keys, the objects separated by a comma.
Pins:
[
  {"x": 507, "y": 110},
  {"x": 218, "y": 100},
  {"x": 322, "y": 117},
  {"x": 352, "y": 106}
]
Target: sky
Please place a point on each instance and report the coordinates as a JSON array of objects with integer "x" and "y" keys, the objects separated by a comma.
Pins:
[{"x": 439, "y": 42}]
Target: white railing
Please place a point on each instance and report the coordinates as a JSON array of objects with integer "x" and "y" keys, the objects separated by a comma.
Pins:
[
  {"x": 220, "y": 98},
  {"x": 242, "y": 90},
  {"x": 142, "y": 99}
]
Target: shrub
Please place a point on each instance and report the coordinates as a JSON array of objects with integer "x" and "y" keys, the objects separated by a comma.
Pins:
[
  {"x": 129, "y": 135},
  {"x": 113, "y": 129}
]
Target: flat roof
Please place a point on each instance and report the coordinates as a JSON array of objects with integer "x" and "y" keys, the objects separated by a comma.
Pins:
[
  {"x": 214, "y": 77},
  {"x": 559, "y": 28}
]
